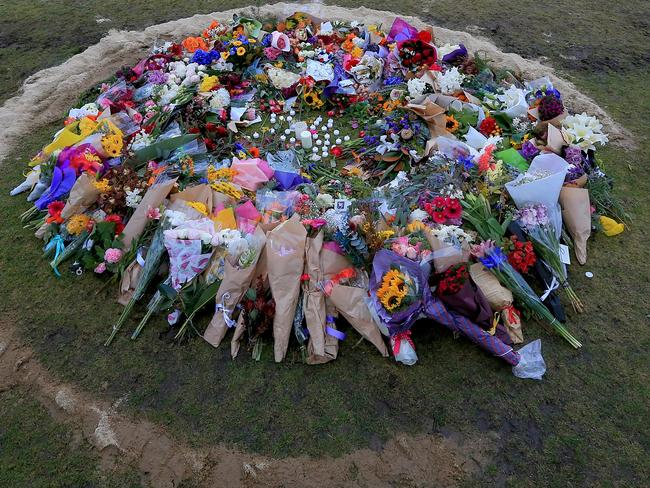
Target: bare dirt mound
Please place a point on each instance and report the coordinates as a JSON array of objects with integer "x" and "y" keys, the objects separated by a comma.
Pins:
[{"x": 428, "y": 460}]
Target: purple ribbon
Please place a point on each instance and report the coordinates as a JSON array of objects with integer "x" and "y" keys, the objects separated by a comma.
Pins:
[{"x": 335, "y": 333}]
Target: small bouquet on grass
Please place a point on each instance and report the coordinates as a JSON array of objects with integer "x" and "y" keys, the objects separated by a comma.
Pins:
[
  {"x": 534, "y": 220},
  {"x": 496, "y": 261}
]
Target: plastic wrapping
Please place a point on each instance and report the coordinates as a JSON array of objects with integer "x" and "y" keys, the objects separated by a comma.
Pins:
[{"x": 531, "y": 364}]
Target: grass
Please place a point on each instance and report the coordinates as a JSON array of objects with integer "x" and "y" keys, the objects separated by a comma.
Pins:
[
  {"x": 586, "y": 424},
  {"x": 36, "y": 452}
]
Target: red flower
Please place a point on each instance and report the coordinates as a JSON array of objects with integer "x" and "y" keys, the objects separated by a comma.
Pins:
[
  {"x": 454, "y": 210},
  {"x": 439, "y": 217},
  {"x": 117, "y": 220},
  {"x": 425, "y": 36},
  {"x": 439, "y": 203},
  {"x": 55, "y": 207},
  {"x": 488, "y": 126},
  {"x": 336, "y": 151}
]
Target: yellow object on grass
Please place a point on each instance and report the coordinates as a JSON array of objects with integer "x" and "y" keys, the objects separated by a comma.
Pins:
[{"x": 610, "y": 226}]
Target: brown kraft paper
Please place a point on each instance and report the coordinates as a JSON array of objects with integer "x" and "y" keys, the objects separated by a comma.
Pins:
[
  {"x": 313, "y": 298},
  {"x": 330, "y": 348},
  {"x": 576, "y": 214},
  {"x": 285, "y": 252},
  {"x": 82, "y": 196},
  {"x": 235, "y": 283},
  {"x": 155, "y": 195},
  {"x": 199, "y": 193}
]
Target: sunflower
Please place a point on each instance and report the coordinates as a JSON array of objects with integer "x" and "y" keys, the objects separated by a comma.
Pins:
[
  {"x": 241, "y": 51},
  {"x": 312, "y": 99},
  {"x": 452, "y": 124},
  {"x": 236, "y": 43},
  {"x": 225, "y": 55}
]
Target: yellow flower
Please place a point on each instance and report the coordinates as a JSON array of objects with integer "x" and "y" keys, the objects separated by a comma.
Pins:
[
  {"x": 385, "y": 234},
  {"x": 356, "y": 52},
  {"x": 199, "y": 207},
  {"x": 241, "y": 51},
  {"x": 312, "y": 99},
  {"x": 102, "y": 185},
  {"x": 208, "y": 83},
  {"x": 452, "y": 124},
  {"x": 415, "y": 226},
  {"x": 356, "y": 171},
  {"x": 87, "y": 126},
  {"x": 112, "y": 144},
  {"x": 77, "y": 224},
  {"x": 236, "y": 43},
  {"x": 220, "y": 174},
  {"x": 224, "y": 54},
  {"x": 227, "y": 189},
  {"x": 251, "y": 40}
]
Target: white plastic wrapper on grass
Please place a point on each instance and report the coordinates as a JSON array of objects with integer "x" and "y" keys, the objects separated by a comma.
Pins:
[
  {"x": 406, "y": 354},
  {"x": 531, "y": 365}
]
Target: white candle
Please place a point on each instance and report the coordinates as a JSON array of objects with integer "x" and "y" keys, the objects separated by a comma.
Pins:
[
  {"x": 305, "y": 139},
  {"x": 299, "y": 128},
  {"x": 338, "y": 141},
  {"x": 292, "y": 140},
  {"x": 346, "y": 138},
  {"x": 283, "y": 138},
  {"x": 336, "y": 132}
]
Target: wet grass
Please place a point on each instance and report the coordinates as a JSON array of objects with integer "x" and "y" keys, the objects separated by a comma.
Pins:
[{"x": 586, "y": 424}]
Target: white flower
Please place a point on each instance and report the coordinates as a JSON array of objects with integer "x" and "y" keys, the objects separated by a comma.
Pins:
[
  {"x": 450, "y": 80},
  {"x": 175, "y": 217},
  {"x": 514, "y": 102},
  {"x": 417, "y": 87},
  {"x": 225, "y": 236},
  {"x": 584, "y": 131},
  {"x": 324, "y": 200},
  {"x": 133, "y": 197},
  {"x": 237, "y": 246},
  {"x": 220, "y": 99},
  {"x": 453, "y": 234},
  {"x": 418, "y": 215}
]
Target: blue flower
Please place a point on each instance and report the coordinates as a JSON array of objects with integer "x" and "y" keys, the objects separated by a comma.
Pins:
[{"x": 495, "y": 259}]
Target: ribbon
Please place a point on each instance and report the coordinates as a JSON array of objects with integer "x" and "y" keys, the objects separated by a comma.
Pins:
[
  {"x": 57, "y": 244},
  {"x": 398, "y": 338},
  {"x": 139, "y": 258},
  {"x": 335, "y": 333},
  {"x": 221, "y": 307},
  {"x": 550, "y": 288}
]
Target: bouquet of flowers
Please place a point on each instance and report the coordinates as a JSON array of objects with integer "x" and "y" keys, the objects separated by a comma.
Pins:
[
  {"x": 493, "y": 259},
  {"x": 534, "y": 220}
]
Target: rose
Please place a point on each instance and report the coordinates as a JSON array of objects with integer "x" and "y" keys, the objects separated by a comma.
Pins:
[{"x": 112, "y": 255}]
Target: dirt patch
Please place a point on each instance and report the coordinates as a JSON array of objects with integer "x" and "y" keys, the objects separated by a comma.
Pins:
[
  {"x": 426, "y": 460},
  {"x": 48, "y": 94}
]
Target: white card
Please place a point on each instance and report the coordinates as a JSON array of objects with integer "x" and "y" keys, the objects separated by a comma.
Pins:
[
  {"x": 564, "y": 254},
  {"x": 341, "y": 204}
]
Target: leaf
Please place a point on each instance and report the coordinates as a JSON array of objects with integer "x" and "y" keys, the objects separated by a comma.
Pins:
[{"x": 167, "y": 291}]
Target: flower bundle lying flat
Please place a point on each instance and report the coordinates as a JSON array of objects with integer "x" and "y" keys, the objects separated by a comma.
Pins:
[{"x": 298, "y": 177}]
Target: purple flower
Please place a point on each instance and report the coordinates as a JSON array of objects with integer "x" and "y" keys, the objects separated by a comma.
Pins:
[
  {"x": 573, "y": 155},
  {"x": 157, "y": 77},
  {"x": 528, "y": 150}
]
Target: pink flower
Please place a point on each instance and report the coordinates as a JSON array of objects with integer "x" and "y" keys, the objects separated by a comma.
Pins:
[
  {"x": 272, "y": 53},
  {"x": 100, "y": 268},
  {"x": 136, "y": 117},
  {"x": 112, "y": 255},
  {"x": 153, "y": 213},
  {"x": 411, "y": 252}
]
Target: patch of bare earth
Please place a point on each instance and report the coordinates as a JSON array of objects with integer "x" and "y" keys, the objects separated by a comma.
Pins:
[{"x": 426, "y": 460}]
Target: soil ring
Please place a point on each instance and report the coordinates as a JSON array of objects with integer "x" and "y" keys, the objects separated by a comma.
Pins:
[{"x": 433, "y": 459}]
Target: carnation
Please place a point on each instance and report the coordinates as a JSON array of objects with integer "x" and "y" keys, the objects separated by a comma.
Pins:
[{"x": 112, "y": 255}]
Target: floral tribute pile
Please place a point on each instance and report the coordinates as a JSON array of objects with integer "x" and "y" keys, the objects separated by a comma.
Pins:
[{"x": 299, "y": 178}]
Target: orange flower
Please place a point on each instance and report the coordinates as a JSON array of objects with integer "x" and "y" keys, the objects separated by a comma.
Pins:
[
  {"x": 255, "y": 152},
  {"x": 212, "y": 26},
  {"x": 191, "y": 44}
]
